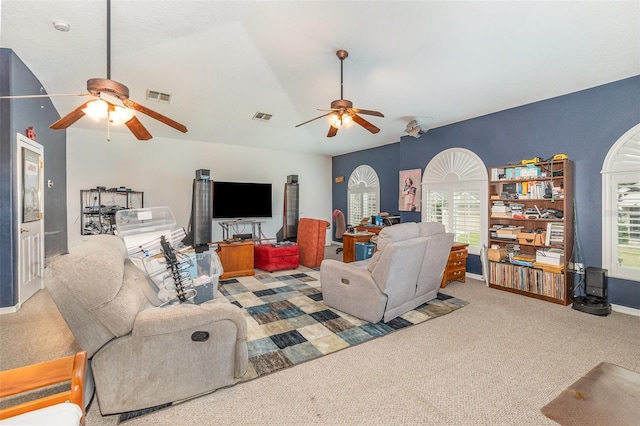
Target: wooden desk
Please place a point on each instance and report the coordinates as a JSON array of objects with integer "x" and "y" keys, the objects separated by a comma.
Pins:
[
  {"x": 349, "y": 244},
  {"x": 368, "y": 228},
  {"x": 236, "y": 259},
  {"x": 456, "y": 269}
]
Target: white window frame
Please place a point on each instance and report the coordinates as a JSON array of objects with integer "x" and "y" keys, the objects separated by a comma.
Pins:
[
  {"x": 363, "y": 179},
  {"x": 458, "y": 169},
  {"x": 621, "y": 165}
]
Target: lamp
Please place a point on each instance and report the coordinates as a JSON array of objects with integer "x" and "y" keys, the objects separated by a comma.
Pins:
[
  {"x": 119, "y": 115},
  {"x": 339, "y": 119},
  {"x": 100, "y": 108},
  {"x": 96, "y": 109}
]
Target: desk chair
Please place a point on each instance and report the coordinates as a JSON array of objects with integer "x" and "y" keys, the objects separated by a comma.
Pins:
[{"x": 340, "y": 226}]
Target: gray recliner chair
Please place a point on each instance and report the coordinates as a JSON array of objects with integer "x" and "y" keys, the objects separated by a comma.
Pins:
[
  {"x": 404, "y": 272},
  {"x": 143, "y": 355}
]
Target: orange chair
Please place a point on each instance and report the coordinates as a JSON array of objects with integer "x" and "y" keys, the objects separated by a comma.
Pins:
[
  {"x": 312, "y": 234},
  {"x": 24, "y": 379}
]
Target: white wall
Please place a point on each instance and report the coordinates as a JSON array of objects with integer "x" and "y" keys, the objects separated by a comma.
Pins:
[{"x": 164, "y": 170}]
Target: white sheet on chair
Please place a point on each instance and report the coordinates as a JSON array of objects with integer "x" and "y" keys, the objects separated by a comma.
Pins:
[{"x": 63, "y": 414}]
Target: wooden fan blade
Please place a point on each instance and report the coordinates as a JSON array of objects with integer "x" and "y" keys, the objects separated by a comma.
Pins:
[
  {"x": 332, "y": 132},
  {"x": 364, "y": 123},
  {"x": 161, "y": 118},
  {"x": 309, "y": 121},
  {"x": 70, "y": 118},
  {"x": 367, "y": 112},
  {"x": 138, "y": 130}
]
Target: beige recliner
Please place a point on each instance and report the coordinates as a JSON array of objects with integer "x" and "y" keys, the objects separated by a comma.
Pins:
[
  {"x": 143, "y": 355},
  {"x": 404, "y": 272}
]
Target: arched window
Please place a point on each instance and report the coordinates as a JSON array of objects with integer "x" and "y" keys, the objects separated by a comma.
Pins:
[
  {"x": 363, "y": 194},
  {"x": 454, "y": 192},
  {"x": 621, "y": 207}
]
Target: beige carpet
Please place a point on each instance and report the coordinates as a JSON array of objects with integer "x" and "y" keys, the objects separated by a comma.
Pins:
[
  {"x": 498, "y": 361},
  {"x": 606, "y": 395}
]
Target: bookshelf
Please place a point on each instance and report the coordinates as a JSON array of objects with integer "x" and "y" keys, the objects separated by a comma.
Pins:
[{"x": 531, "y": 229}]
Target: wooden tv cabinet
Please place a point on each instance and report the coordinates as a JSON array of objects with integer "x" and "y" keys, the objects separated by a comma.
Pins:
[{"x": 236, "y": 259}]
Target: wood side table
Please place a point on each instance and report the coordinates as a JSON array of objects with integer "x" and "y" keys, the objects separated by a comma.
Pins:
[
  {"x": 236, "y": 259},
  {"x": 349, "y": 241},
  {"x": 456, "y": 269}
]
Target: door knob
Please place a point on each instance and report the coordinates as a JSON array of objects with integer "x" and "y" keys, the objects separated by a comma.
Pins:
[{"x": 22, "y": 230}]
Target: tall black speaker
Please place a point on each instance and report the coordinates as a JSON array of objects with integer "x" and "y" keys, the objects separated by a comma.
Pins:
[
  {"x": 201, "y": 212},
  {"x": 291, "y": 213},
  {"x": 596, "y": 282}
]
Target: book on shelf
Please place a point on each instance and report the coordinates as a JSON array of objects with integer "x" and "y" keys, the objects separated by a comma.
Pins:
[
  {"x": 497, "y": 173},
  {"x": 532, "y": 280},
  {"x": 555, "y": 269}
]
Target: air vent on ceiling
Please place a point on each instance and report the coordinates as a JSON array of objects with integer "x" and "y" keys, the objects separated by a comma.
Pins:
[
  {"x": 154, "y": 95},
  {"x": 261, "y": 116}
]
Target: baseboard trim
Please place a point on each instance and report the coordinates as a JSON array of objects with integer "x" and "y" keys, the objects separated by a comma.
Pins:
[
  {"x": 626, "y": 310},
  {"x": 475, "y": 276},
  {"x": 10, "y": 309}
]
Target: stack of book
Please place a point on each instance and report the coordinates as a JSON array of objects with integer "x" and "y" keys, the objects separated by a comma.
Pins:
[
  {"x": 523, "y": 259},
  {"x": 500, "y": 209}
]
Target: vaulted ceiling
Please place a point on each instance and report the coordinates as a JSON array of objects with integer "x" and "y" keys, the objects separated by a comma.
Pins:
[{"x": 222, "y": 61}]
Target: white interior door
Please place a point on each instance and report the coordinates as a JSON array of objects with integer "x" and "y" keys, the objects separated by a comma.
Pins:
[{"x": 30, "y": 207}]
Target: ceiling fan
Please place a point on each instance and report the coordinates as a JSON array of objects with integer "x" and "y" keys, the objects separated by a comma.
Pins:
[
  {"x": 342, "y": 110},
  {"x": 110, "y": 99}
]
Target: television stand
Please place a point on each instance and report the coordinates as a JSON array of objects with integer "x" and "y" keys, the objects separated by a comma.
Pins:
[
  {"x": 236, "y": 259},
  {"x": 231, "y": 227}
]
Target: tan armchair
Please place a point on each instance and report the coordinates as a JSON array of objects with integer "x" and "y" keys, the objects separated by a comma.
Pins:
[
  {"x": 143, "y": 355},
  {"x": 66, "y": 405}
]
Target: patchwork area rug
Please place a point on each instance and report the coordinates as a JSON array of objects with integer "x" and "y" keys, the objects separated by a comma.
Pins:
[{"x": 288, "y": 322}]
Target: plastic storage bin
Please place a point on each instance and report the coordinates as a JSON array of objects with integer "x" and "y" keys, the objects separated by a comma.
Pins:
[
  {"x": 199, "y": 275},
  {"x": 364, "y": 250},
  {"x": 139, "y": 226}
]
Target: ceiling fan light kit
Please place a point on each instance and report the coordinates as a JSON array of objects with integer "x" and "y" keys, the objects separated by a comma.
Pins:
[
  {"x": 342, "y": 111},
  {"x": 109, "y": 99}
]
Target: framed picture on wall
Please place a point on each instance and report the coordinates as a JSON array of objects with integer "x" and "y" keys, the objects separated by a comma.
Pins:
[{"x": 409, "y": 198}]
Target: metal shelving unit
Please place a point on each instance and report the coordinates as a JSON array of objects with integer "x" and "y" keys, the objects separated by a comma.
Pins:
[{"x": 99, "y": 206}]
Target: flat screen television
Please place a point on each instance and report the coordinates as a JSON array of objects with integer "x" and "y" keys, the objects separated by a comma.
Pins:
[{"x": 241, "y": 200}]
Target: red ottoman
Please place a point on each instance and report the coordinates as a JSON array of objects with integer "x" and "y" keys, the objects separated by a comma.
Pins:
[{"x": 272, "y": 258}]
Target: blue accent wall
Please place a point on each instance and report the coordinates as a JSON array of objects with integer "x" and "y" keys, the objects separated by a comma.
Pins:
[
  {"x": 584, "y": 125},
  {"x": 16, "y": 116}
]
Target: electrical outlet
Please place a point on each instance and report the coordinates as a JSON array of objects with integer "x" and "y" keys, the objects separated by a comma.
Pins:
[{"x": 578, "y": 268}]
